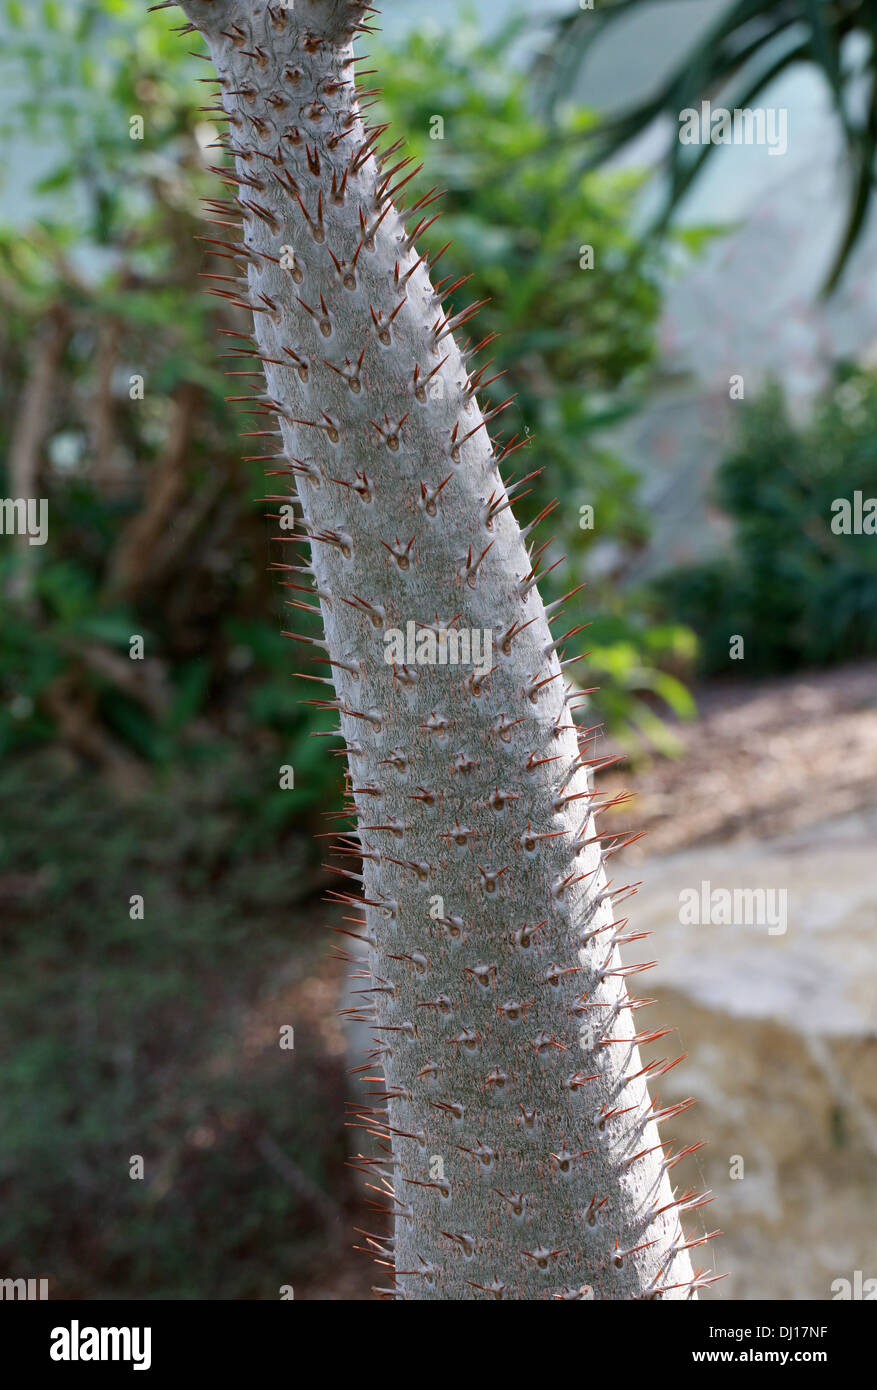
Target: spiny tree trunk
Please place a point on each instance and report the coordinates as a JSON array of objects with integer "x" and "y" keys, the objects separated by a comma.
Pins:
[{"x": 523, "y": 1154}]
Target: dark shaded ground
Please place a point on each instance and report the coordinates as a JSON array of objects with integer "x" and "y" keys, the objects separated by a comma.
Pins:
[{"x": 159, "y": 1036}]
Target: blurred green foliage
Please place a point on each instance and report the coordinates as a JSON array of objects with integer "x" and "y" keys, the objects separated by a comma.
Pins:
[
  {"x": 155, "y": 527},
  {"x": 799, "y": 592}
]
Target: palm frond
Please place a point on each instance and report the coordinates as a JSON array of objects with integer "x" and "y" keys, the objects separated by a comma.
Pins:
[{"x": 746, "y": 47}]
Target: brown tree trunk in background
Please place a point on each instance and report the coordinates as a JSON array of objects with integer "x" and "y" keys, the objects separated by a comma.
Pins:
[
  {"x": 28, "y": 435},
  {"x": 131, "y": 564}
]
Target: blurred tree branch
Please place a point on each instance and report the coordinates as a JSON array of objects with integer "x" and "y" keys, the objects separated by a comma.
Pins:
[{"x": 29, "y": 432}]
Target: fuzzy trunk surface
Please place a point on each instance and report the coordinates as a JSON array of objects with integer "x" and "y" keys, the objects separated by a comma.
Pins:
[{"x": 520, "y": 1150}]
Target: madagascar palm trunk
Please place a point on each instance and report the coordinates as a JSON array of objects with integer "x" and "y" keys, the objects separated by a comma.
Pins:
[{"x": 523, "y": 1155}]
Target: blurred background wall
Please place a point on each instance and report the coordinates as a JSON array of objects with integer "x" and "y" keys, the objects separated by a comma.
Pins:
[{"x": 161, "y": 870}]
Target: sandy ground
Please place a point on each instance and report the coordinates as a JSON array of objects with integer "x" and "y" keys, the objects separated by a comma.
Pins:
[
  {"x": 776, "y": 791},
  {"x": 761, "y": 759}
]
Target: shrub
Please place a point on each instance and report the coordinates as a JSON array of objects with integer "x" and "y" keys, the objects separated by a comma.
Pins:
[{"x": 798, "y": 590}]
